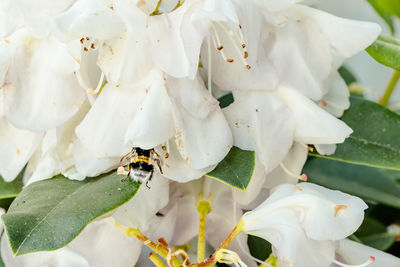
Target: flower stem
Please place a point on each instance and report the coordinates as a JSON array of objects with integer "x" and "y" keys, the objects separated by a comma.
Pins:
[
  {"x": 161, "y": 250},
  {"x": 228, "y": 240},
  {"x": 389, "y": 90},
  {"x": 156, "y": 260},
  {"x": 203, "y": 207}
]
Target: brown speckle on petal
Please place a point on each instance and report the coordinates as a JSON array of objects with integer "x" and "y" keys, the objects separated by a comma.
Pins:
[{"x": 338, "y": 208}]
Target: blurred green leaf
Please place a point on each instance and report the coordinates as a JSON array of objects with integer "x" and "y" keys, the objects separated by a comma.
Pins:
[
  {"x": 48, "y": 214},
  {"x": 366, "y": 182},
  {"x": 376, "y": 138},
  {"x": 377, "y": 5},
  {"x": 373, "y": 233},
  {"x": 386, "y": 50},
  {"x": 226, "y": 100},
  {"x": 259, "y": 248},
  {"x": 389, "y": 6},
  {"x": 347, "y": 75},
  {"x": 11, "y": 189},
  {"x": 236, "y": 168}
]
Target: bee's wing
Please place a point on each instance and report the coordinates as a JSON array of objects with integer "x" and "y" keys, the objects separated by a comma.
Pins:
[{"x": 125, "y": 160}]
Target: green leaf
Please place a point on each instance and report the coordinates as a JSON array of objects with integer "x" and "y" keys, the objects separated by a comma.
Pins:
[
  {"x": 366, "y": 182},
  {"x": 226, "y": 100},
  {"x": 48, "y": 214},
  {"x": 347, "y": 76},
  {"x": 259, "y": 248},
  {"x": 376, "y": 138},
  {"x": 377, "y": 5},
  {"x": 373, "y": 233},
  {"x": 11, "y": 189},
  {"x": 386, "y": 50},
  {"x": 389, "y": 6},
  {"x": 236, "y": 168}
]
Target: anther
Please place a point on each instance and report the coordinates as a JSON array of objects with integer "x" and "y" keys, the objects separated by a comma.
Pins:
[
  {"x": 310, "y": 148},
  {"x": 230, "y": 60},
  {"x": 219, "y": 48},
  {"x": 85, "y": 49},
  {"x": 323, "y": 103},
  {"x": 243, "y": 45},
  {"x": 82, "y": 39},
  {"x": 92, "y": 46},
  {"x": 87, "y": 38},
  {"x": 248, "y": 67},
  {"x": 166, "y": 155},
  {"x": 245, "y": 54}
]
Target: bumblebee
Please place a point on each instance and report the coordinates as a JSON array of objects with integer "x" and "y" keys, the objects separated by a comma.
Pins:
[{"x": 141, "y": 163}]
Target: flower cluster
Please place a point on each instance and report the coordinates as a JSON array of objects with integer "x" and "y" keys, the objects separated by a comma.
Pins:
[{"x": 85, "y": 81}]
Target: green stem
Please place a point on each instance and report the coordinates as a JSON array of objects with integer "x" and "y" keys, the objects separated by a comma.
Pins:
[
  {"x": 228, "y": 240},
  {"x": 389, "y": 90},
  {"x": 159, "y": 249},
  {"x": 203, "y": 207},
  {"x": 156, "y": 260}
]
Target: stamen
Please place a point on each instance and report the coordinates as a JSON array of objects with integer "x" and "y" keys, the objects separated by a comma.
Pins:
[
  {"x": 217, "y": 42},
  {"x": 209, "y": 84},
  {"x": 100, "y": 83},
  {"x": 368, "y": 262},
  {"x": 302, "y": 177},
  {"x": 241, "y": 55}
]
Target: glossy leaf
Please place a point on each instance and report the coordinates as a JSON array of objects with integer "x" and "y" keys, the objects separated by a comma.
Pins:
[
  {"x": 378, "y": 5},
  {"x": 11, "y": 189},
  {"x": 366, "y": 182},
  {"x": 347, "y": 75},
  {"x": 375, "y": 141},
  {"x": 226, "y": 100},
  {"x": 236, "y": 168},
  {"x": 373, "y": 233},
  {"x": 386, "y": 50},
  {"x": 48, "y": 214},
  {"x": 389, "y": 6},
  {"x": 259, "y": 248}
]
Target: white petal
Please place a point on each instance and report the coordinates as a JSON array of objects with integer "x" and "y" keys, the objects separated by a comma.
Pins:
[
  {"x": 41, "y": 90},
  {"x": 307, "y": 57},
  {"x": 236, "y": 75},
  {"x": 176, "y": 168},
  {"x": 313, "y": 124},
  {"x": 152, "y": 124},
  {"x": 262, "y": 119},
  {"x": 17, "y": 146},
  {"x": 166, "y": 45},
  {"x": 6, "y": 52},
  {"x": 351, "y": 252},
  {"x": 103, "y": 245},
  {"x": 325, "y": 149},
  {"x": 202, "y": 141},
  {"x": 137, "y": 212},
  {"x": 92, "y": 18},
  {"x": 338, "y": 30},
  {"x": 63, "y": 257},
  {"x": 89, "y": 165},
  {"x": 103, "y": 129},
  {"x": 293, "y": 162},
  {"x": 337, "y": 98},
  {"x": 290, "y": 243},
  {"x": 126, "y": 58}
]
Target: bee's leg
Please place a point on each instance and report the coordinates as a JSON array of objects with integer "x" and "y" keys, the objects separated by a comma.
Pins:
[
  {"x": 127, "y": 176},
  {"x": 156, "y": 159},
  {"x": 147, "y": 182}
]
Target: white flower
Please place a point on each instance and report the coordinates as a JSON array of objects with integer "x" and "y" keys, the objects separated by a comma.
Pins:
[
  {"x": 303, "y": 221},
  {"x": 350, "y": 252},
  {"x": 220, "y": 220}
]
